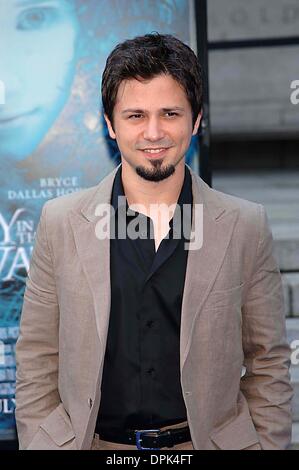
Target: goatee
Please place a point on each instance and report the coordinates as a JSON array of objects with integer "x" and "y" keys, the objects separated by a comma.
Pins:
[{"x": 157, "y": 173}]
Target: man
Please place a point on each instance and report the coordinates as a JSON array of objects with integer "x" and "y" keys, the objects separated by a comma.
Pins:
[{"x": 149, "y": 341}]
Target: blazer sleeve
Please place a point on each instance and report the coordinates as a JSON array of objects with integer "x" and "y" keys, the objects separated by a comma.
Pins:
[
  {"x": 266, "y": 384},
  {"x": 37, "y": 346}
]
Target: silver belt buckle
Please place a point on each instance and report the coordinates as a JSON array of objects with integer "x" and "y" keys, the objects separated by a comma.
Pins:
[{"x": 139, "y": 439}]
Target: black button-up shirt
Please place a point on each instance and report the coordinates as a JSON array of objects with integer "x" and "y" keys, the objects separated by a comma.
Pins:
[{"x": 141, "y": 386}]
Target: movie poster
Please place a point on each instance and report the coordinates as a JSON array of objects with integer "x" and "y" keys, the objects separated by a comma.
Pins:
[{"x": 53, "y": 140}]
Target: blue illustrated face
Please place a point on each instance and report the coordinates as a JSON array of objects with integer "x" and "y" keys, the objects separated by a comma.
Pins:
[{"x": 37, "y": 67}]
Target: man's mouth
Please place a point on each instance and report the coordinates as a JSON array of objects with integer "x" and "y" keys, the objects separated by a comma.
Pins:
[{"x": 155, "y": 151}]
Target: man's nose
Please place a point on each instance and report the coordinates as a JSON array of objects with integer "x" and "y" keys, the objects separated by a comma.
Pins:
[{"x": 153, "y": 129}]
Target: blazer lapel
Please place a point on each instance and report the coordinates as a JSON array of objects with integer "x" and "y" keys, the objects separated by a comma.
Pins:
[
  {"x": 204, "y": 264},
  {"x": 94, "y": 253}
]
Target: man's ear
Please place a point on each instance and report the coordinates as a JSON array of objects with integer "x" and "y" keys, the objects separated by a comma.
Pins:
[
  {"x": 197, "y": 122},
  {"x": 110, "y": 128}
]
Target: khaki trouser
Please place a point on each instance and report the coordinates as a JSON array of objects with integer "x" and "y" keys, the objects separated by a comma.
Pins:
[{"x": 98, "y": 444}]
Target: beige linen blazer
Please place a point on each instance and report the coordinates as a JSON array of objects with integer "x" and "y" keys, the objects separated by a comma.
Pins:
[{"x": 234, "y": 357}]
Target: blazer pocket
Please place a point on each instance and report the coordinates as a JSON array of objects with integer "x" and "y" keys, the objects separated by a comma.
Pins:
[
  {"x": 237, "y": 434},
  {"x": 58, "y": 429},
  {"x": 226, "y": 297}
]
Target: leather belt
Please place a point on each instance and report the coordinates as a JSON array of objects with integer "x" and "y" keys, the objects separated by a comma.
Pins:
[{"x": 148, "y": 439}]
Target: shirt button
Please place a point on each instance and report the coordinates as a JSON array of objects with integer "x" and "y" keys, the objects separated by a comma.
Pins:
[
  {"x": 89, "y": 402},
  {"x": 151, "y": 370},
  {"x": 150, "y": 323}
]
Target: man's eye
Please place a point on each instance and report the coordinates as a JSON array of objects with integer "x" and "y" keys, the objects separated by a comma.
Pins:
[
  {"x": 135, "y": 116},
  {"x": 36, "y": 18},
  {"x": 171, "y": 114}
]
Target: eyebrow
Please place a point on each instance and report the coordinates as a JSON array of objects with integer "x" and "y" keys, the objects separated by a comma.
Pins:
[{"x": 139, "y": 111}]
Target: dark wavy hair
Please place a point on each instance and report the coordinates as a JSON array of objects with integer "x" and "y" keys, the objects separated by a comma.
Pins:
[{"x": 145, "y": 57}]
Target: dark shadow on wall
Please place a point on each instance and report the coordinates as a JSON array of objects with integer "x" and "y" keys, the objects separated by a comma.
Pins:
[{"x": 254, "y": 154}]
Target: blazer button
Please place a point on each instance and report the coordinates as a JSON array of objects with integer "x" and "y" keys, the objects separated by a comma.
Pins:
[{"x": 89, "y": 402}]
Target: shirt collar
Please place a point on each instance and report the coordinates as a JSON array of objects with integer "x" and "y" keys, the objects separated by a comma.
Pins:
[{"x": 185, "y": 196}]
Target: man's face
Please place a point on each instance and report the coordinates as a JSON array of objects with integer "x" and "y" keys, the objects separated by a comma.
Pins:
[{"x": 152, "y": 125}]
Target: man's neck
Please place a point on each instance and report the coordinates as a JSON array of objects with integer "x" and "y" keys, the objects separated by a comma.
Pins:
[{"x": 142, "y": 192}]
